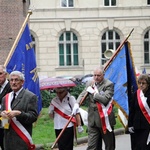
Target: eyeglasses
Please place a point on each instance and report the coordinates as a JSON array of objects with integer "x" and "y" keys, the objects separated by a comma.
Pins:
[
  {"x": 142, "y": 83},
  {"x": 15, "y": 80},
  {"x": 98, "y": 75}
]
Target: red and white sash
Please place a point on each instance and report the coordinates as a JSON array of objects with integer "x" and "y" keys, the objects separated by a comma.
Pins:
[
  {"x": 17, "y": 126},
  {"x": 104, "y": 112},
  {"x": 62, "y": 112},
  {"x": 143, "y": 105}
]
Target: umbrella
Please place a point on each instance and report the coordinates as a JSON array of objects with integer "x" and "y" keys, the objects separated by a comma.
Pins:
[
  {"x": 52, "y": 83},
  {"x": 65, "y": 77}
]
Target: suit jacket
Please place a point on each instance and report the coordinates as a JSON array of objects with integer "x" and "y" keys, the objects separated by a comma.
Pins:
[
  {"x": 26, "y": 102},
  {"x": 136, "y": 117},
  {"x": 106, "y": 88},
  {"x": 6, "y": 90}
]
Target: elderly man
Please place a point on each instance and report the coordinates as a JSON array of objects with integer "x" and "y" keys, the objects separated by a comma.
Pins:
[
  {"x": 101, "y": 119},
  {"x": 4, "y": 89},
  {"x": 20, "y": 108}
]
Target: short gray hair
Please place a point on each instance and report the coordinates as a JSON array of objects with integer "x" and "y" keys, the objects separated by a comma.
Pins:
[{"x": 18, "y": 73}]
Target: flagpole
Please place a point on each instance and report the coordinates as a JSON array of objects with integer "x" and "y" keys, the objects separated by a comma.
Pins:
[
  {"x": 17, "y": 38},
  {"x": 117, "y": 51}
]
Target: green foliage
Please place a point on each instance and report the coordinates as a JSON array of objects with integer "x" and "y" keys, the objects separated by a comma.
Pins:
[
  {"x": 75, "y": 91},
  {"x": 47, "y": 96}
]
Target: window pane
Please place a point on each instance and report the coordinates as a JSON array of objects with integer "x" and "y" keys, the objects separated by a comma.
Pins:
[
  {"x": 146, "y": 35},
  {"x": 61, "y": 61},
  {"x": 106, "y": 3},
  {"x": 146, "y": 47},
  {"x": 75, "y": 54},
  {"x": 68, "y": 54},
  {"x": 64, "y": 3},
  {"x": 103, "y": 47},
  {"x": 113, "y": 2},
  {"x": 70, "y": 3},
  {"x": 146, "y": 58},
  {"x": 75, "y": 48},
  {"x": 117, "y": 45},
  {"x": 61, "y": 49},
  {"x": 68, "y": 36},
  {"x": 68, "y": 50},
  {"x": 61, "y": 54},
  {"x": 104, "y": 36},
  {"x": 117, "y": 36},
  {"x": 74, "y": 37},
  {"x": 76, "y": 60},
  {"x": 68, "y": 60},
  {"x": 110, "y": 35},
  {"x": 110, "y": 45},
  {"x": 61, "y": 38}
]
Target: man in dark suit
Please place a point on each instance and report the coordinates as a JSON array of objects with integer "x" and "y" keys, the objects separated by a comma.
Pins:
[
  {"x": 20, "y": 107},
  {"x": 101, "y": 119},
  {"x": 4, "y": 89}
]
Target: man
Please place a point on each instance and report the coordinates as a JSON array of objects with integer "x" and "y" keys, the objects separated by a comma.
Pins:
[
  {"x": 20, "y": 107},
  {"x": 60, "y": 109},
  {"x": 101, "y": 119},
  {"x": 4, "y": 89}
]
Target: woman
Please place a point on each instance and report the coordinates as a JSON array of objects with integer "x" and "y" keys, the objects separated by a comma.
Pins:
[{"x": 139, "y": 118}]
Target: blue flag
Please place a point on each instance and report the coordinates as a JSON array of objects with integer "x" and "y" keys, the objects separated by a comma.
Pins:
[
  {"x": 121, "y": 73},
  {"x": 23, "y": 60}
]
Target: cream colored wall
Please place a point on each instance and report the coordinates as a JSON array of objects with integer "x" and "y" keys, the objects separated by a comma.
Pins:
[{"x": 89, "y": 22}]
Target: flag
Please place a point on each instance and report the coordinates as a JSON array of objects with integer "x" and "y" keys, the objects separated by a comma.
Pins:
[
  {"x": 144, "y": 71},
  {"x": 23, "y": 60},
  {"x": 121, "y": 73},
  {"x": 137, "y": 72}
]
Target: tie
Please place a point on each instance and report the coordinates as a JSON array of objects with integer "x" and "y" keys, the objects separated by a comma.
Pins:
[{"x": 13, "y": 98}]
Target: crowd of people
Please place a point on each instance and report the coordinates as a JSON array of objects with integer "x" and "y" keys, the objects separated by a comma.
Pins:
[{"x": 19, "y": 110}]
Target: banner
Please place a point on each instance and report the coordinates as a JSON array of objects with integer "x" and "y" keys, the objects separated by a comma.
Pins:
[
  {"x": 23, "y": 59},
  {"x": 121, "y": 73}
]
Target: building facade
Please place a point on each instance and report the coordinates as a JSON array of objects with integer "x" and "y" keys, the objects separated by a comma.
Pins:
[
  {"x": 12, "y": 16},
  {"x": 71, "y": 36}
]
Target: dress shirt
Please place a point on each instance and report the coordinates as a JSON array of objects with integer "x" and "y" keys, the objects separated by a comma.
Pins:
[{"x": 3, "y": 86}]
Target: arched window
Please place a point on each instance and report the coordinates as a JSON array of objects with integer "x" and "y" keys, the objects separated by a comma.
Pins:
[
  {"x": 147, "y": 47},
  {"x": 110, "y": 40},
  {"x": 68, "y": 49}
]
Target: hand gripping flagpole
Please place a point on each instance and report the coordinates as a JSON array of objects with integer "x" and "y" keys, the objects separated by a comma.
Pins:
[
  {"x": 17, "y": 38},
  {"x": 105, "y": 67}
]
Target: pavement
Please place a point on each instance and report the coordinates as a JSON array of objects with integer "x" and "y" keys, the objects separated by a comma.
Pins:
[{"x": 82, "y": 142}]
